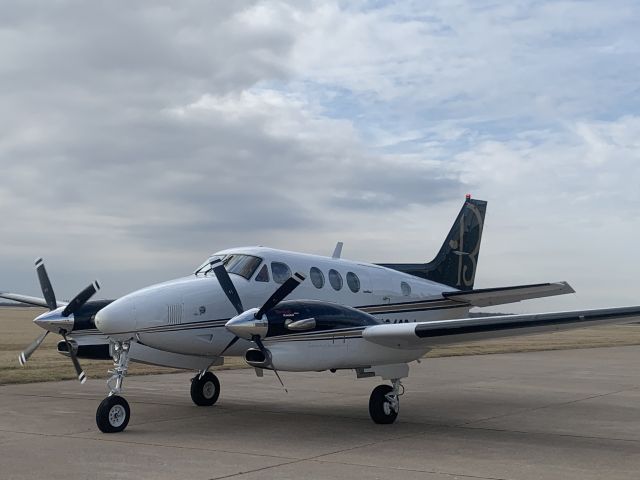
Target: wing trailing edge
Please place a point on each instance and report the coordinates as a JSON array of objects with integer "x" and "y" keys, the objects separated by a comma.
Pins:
[{"x": 485, "y": 297}]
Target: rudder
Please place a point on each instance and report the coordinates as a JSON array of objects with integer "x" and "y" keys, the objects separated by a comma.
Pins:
[{"x": 456, "y": 263}]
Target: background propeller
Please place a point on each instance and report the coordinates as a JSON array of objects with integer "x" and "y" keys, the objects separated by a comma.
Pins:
[
  {"x": 45, "y": 285},
  {"x": 58, "y": 322}
]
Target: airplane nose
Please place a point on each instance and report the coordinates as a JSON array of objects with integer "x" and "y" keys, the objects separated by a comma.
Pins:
[{"x": 118, "y": 317}]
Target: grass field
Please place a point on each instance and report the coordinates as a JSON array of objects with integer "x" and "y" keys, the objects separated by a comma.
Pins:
[{"x": 48, "y": 365}]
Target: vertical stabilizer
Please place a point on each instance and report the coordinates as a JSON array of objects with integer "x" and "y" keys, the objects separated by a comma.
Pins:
[{"x": 456, "y": 263}]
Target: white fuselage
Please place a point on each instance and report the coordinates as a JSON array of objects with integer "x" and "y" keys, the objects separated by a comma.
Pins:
[{"x": 187, "y": 315}]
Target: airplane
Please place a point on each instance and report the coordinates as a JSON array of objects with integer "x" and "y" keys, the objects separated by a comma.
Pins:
[{"x": 374, "y": 319}]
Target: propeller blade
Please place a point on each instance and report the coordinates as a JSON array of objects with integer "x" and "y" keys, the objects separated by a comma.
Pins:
[
  {"x": 45, "y": 285},
  {"x": 281, "y": 382},
  {"x": 81, "y": 375},
  {"x": 227, "y": 285},
  {"x": 80, "y": 299},
  {"x": 229, "y": 345},
  {"x": 267, "y": 354},
  {"x": 281, "y": 293},
  {"x": 27, "y": 352}
]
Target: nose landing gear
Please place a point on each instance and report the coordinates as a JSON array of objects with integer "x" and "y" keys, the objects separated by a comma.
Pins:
[{"x": 113, "y": 413}]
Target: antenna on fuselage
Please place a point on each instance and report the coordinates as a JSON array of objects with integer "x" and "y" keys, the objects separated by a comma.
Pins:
[{"x": 338, "y": 250}]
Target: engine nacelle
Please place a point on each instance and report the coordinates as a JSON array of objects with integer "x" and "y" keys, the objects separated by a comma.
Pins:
[{"x": 326, "y": 354}]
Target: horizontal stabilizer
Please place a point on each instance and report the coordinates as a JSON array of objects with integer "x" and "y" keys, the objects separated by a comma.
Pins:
[
  {"x": 498, "y": 296},
  {"x": 446, "y": 332},
  {"x": 38, "y": 302}
]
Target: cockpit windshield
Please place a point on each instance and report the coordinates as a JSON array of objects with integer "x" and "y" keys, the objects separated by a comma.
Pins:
[{"x": 243, "y": 265}]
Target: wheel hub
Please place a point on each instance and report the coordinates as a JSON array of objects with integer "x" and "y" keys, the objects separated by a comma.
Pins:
[
  {"x": 117, "y": 415},
  {"x": 208, "y": 390}
]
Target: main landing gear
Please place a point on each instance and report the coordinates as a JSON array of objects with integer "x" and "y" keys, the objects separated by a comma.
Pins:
[
  {"x": 384, "y": 403},
  {"x": 205, "y": 389}
]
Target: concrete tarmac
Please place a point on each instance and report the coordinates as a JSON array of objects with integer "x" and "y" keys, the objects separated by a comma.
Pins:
[{"x": 571, "y": 414}]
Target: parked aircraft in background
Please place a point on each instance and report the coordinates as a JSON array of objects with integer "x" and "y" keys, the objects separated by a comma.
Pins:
[{"x": 333, "y": 314}]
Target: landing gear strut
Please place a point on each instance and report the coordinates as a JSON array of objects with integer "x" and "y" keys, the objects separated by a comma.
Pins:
[
  {"x": 205, "y": 389},
  {"x": 384, "y": 403},
  {"x": 113, "y": 413}
]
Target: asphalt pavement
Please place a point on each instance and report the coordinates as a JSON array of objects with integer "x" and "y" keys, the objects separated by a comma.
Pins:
[{"x": 571, "y": 414}]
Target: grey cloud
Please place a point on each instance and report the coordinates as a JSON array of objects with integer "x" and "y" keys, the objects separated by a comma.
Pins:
[
  {"x": 380, "y": 186},
  {"x": 111, "y": 167}
]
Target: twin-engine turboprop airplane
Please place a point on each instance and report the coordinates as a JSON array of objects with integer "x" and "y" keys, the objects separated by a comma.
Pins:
[{"x": 371, "y": 318}]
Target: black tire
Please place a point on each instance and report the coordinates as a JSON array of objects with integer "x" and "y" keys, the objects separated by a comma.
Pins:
[
  {"x": 379, "y": 407},
  {"x": 206, "y": 390},
  {"x": 113, "y": 414}
]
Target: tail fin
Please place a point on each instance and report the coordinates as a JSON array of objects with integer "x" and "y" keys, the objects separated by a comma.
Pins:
[{"x": 456, "y": 262}]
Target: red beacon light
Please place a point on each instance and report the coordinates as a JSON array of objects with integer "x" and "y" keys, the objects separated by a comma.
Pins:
[{"x": 468, "y": 196}]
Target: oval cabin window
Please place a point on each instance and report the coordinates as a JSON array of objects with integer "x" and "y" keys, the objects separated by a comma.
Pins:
[
  {"x": 353, "y": 282},
  {"x": 335, "y": 279},
  {"x": 317, "y": 277}
]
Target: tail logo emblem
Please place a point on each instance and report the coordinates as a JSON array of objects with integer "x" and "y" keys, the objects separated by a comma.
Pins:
[{"x": 466, "y": 272}]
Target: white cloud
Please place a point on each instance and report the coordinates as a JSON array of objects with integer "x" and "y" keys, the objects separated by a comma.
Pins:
[{"x": 136, "y": 141}]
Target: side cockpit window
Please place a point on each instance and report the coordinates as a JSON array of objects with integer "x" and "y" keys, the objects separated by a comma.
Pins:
[
  {"x": 240, "y": 264},
  {"x": 263, "y": 274},
  {"x": 280, "y": 272},
  {"x": 243, "y": 265},
  {"x": 406, "y": 289}
]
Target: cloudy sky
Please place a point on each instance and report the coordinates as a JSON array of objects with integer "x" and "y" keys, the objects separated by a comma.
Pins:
[{"x": 137, "y": 139}]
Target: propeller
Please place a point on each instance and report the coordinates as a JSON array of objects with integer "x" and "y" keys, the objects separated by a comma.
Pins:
[
  {"x": 267, "y": 354},
  {"x": 27, "y": 352},
  {"x": 230, "y": 291},
  {"x": 281, "y": 293},
  {"x": 58, "y": 321},
  {"x": 232, "y": 294}
]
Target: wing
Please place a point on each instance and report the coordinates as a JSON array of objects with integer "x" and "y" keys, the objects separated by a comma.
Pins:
[
  {"x": 445, "y": 332},
  {"x": 485, "y": 297},
  {"x": 39, "y": 302}
]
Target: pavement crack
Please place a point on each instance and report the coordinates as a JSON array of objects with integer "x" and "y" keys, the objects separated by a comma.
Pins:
[
  {"x": 405, "y": 469},
  {"x": 542, "y": 407}
]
